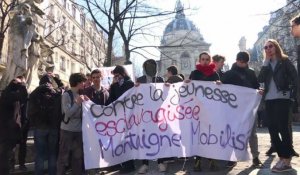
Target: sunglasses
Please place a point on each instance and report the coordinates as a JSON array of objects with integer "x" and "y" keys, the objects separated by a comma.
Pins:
[{"x": 268, "y": 47}]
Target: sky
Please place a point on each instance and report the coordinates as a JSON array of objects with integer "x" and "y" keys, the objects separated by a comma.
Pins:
[{"x": 223, "y": 22}]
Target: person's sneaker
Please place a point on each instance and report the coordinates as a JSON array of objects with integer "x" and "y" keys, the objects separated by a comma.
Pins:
[
  {"x": 197, "y": 166},
  {"x": 231, "y": 164},
  {"x": 22, "y": 168},
  {"x": 162, "y": 167},
  {"x": 294, "y": 153},
  {"x": 257, "y": 163},
  {"x": 143, "y": 169},
  {"x": 281, "y": 167},
  {"x": 270, "y": 151}
]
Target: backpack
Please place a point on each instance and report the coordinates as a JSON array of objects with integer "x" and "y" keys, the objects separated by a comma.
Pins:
[{"x": 66, "y": 121}]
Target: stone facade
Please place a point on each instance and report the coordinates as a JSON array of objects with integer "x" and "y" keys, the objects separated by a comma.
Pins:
[
  {"x": 77, "y": 44},
  {"x": 181, "y": 44},
  {"x": 279, "y": 29},
  {"x": 84, "y": 45}
]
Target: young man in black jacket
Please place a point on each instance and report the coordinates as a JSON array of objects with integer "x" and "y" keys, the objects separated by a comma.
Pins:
[
  {"x": 241, "y": 75},
  {"x": 10, "y": 130},
  {"x": 150, "y": 76},
  {"x": 44, "y": 113}
]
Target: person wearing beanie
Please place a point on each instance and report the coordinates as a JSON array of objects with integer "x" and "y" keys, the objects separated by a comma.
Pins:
[{"x": 241, "y": 75}]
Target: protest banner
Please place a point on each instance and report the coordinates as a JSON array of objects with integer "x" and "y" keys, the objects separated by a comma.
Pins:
[{"x": 181, "y": 120}]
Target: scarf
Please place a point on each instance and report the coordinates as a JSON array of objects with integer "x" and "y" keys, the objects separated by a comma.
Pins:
[{"x": 207, "y": 70}]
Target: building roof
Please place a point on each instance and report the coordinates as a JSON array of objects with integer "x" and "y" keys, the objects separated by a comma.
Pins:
[{"x": 180, "y": 22}]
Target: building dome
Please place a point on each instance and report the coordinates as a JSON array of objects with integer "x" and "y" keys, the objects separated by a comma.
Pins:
[
  {"x": 181, "y": 44},
  {"x": 180, "y": 22}
]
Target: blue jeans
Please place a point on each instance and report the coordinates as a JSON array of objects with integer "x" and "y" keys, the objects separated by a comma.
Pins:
[{"x": 46, "y": 146}]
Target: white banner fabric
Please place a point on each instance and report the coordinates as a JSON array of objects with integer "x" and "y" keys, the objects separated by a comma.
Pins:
[{"x": 181, "y": 120}]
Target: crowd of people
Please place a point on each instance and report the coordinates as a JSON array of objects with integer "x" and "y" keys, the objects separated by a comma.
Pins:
[{"x": 54, "y": 111}]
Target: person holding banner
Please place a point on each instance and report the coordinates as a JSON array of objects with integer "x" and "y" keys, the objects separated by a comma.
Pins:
[
  {"x": 205, "y": 71},
  {"x": 150, "y": 76},
  {"x": 281, "y": 82},
  {"x": 122, "y": 83},
  {"x": 173, "y": 76},
  {"x": 219, "y": 60},
  {"x": 71, "y": 131},
  {"x": 241, "y": 75}
]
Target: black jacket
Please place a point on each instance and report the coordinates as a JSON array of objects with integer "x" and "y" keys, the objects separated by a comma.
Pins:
[
  {"x": 241, "y": 77},
  {"x": 198, "y": 75},
  {"x": 9, "y": 129},
  {"x": 174, "y": 79},
  {"x": 115, "y": 90},
  {"x": 98, "y": 97},
  {"x": 284, "y": 75},
  {"x": 143, "y": 79},
  {"x": 44, "y": 107}
]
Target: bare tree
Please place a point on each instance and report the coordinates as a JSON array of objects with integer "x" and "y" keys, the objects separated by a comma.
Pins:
[
  {"x": 105, "y": 10},
  {"x": 6, "y": 6}
]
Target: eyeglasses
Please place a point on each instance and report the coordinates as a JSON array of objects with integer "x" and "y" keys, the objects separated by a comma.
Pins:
[{"x": 268, "y": 47}]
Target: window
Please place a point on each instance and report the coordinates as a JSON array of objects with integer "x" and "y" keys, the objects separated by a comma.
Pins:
[
  {"x": 81, "y": 39},
  {"x": 73, "y": 48},
  {"x": 68, "y": 63},
  {"x": 50, "y": 29},
  {"x": 62, "y": 64},
  {"x": 73, "y": 31},
  {"x": 65, "y": 4},
  {"x": 82, "y": 21},
  {"x": 72, "y": 67},
  {"x": 56, "y": 57},
  {"x": 92, "y": 62},
  {"x": 51, "y": 12},
  {"x": 73, "y": 11},
  {"x": 69, "y": 25}
]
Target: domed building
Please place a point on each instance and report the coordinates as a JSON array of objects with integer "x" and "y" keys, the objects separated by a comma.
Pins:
[{"x": 181, "y": 44}]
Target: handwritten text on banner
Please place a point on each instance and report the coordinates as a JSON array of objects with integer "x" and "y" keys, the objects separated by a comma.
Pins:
[{"x": 185, "y": 119}]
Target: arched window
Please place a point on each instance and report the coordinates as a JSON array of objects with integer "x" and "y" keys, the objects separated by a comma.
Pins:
[{"x": 185, "y": 60}]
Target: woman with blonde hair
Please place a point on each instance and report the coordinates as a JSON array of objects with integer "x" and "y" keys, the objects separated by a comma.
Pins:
[{"x": 280, "y": 81}]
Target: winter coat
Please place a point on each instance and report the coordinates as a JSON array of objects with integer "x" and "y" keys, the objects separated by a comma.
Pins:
[
  {"x": 204, "y": 73},
  {"x": 116, "y": 90},
  {"x": 284, "y": 75},
  {"x": 174, "y": 79},
  {"x": 99, "y": 97},
  {"x": 44, "y": 109},
  {"x": 143, "y": 79},
  {"x": 11, "y": 98},
  {"x": 241, "y": 77}
]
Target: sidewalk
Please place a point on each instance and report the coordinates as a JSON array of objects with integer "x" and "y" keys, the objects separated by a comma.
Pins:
[{"x": 242, "y": 168}]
